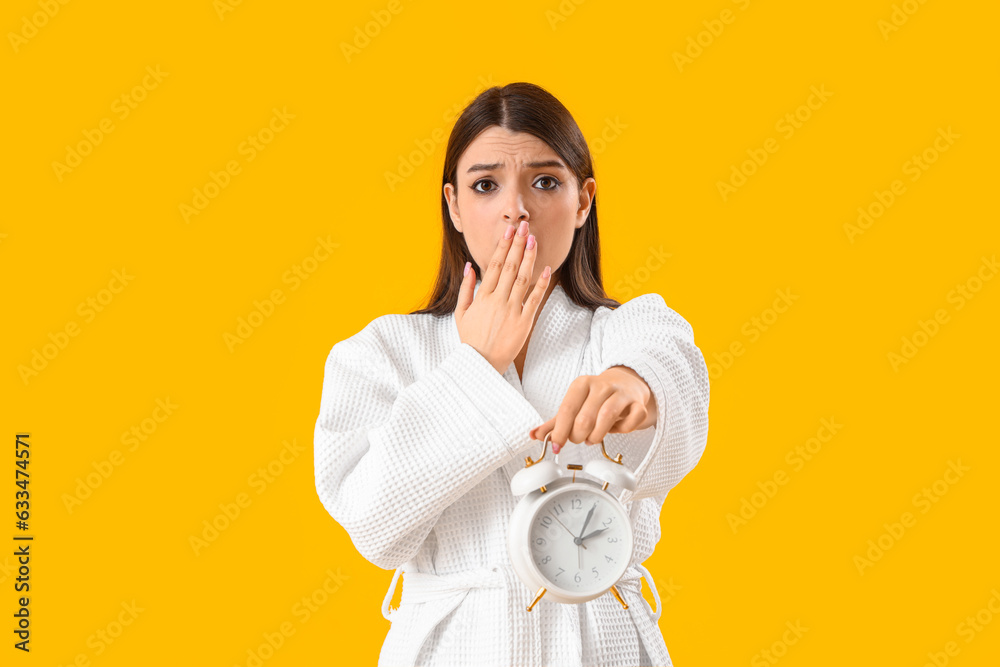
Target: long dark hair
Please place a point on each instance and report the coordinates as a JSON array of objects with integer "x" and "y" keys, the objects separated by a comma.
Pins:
[{"x": 521, "y": 107}]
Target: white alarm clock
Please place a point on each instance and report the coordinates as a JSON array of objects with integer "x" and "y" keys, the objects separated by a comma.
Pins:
[{"x": 569, "y": 537}]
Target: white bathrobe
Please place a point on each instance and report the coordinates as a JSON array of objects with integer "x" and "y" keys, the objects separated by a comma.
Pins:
[{"x": 415, "y": 444}]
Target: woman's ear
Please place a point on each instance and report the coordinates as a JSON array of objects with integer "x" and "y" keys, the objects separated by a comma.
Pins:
[
  {"x": 587, "y": 191},
  {"x": 452, "y": 199}
]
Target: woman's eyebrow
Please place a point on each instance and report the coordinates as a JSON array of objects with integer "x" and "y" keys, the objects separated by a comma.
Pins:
[{"x": 530, "y": 165}]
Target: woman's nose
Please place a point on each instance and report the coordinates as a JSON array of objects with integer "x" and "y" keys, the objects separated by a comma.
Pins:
[{"x": 513, "y": 207}]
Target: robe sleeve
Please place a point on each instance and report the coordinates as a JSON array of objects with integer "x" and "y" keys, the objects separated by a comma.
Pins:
[
  {"x": 647, "y": 336},
  {"x": 389, "y": 459}
]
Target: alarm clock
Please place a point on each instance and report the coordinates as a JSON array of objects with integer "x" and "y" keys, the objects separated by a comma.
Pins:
[{"x": 570, "y": 538}]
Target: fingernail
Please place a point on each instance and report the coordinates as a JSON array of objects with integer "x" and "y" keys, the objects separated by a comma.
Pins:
[
  {"x": 531, "y": 241},
  {"x": 509, "y": 232},
  {"x": 467, "y": 265},
  {"x": 522, "y": 229},
  {"x": 546, "y": 272}
]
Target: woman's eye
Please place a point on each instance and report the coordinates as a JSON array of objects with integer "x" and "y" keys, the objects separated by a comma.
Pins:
[
  {"x": 482, "y": 181},
  {"x": 555, "y": 183}
]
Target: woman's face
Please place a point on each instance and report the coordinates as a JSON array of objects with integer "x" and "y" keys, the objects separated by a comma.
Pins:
[{"x": 505, "y": 177}]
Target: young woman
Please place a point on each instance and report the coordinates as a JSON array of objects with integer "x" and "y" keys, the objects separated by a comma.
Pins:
[{"x": 425, "y": 416}]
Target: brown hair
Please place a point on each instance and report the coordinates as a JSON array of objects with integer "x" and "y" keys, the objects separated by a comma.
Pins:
[{"x": 521, "y": 107}]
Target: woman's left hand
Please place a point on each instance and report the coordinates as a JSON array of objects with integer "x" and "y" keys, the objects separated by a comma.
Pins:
[{"x": 616, "y": 401}]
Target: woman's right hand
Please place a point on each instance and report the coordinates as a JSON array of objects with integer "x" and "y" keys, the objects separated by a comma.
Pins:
[{"x": 496, "y": 320}]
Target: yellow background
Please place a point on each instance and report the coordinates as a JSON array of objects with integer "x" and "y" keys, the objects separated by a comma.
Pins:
[{"x": 324, "y": 176}]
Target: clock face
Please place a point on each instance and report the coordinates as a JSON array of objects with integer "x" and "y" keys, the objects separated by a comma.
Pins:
[{"x": 580, "y": 540}]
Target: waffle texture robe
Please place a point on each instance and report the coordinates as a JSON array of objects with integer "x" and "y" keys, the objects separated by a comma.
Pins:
[{"x": 416, "y": 442}]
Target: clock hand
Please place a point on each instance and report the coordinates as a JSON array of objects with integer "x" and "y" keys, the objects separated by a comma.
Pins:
[
  {"x": 587, "y": 520},
  {"x": 589, "y": 535},
  {"x": 564, "y": 526}
]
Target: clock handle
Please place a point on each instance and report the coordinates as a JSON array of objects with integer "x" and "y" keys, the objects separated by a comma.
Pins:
[
  {"x": 545, "y": 448},
  {"x": 613, "y": 460}
]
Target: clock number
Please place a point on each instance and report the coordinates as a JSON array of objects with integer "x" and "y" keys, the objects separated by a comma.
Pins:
[
  {"x": 596, "y": 573},
  {"x": 612, "y": 539},
  {"x": 540, "y": 541},
  {"x": 559, "y": 572},
  {"x": 575, "y": 503},
  {"x": 576, "y": 577},
  {"x": 545, "y": 560},
  {"x": 609, "y": 559},
  {"x": 558, "y": 509},
  {"x": 608, "y": 522},
  {"x": 546, "y": 520}
]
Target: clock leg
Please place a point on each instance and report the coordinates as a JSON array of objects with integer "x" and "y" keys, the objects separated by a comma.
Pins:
[
  {"x": 618, "y": 596},
  {"x": 541, "y": 592}
]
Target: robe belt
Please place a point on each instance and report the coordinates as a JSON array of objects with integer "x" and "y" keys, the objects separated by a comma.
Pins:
[{"x": 424, "y": 586}]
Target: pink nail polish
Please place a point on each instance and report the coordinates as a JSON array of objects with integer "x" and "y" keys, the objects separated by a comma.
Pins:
[
  {"x": 467, "y": 265},
  {"x": 531, "y": 241},
  {"x": 509, "y": 232}
]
